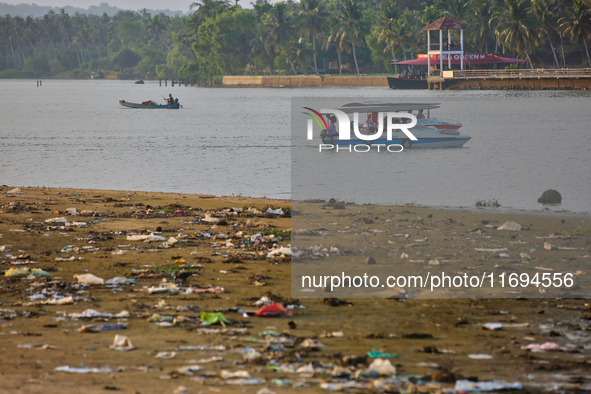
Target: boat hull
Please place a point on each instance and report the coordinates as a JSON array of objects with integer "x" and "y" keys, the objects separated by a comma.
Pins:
[
  {"x": 421, "y": 143},
  {"x": 425, "y": 140},
  {"x": 148, "y": 106},
  {"x": 403, "y": 83}
]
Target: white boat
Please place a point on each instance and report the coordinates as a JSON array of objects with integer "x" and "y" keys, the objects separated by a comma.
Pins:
[{"x": 430, "y": 132}]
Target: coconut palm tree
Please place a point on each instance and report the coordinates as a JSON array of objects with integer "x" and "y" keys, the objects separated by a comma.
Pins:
[
  {"x": 516, "y": 27},
  {"x": 312, "y": 19},
  {"x": 208, "y": 9},
  {"x": 156, "y": 26},
  {"x": 457, "y": 9},
  {"x": 576, "y": 24},
  {"x": 350, "y": 26},
  {"x": 398, "y": 30},
  {"x": 278, "y": 30},
  {"x": 332, "y": 22},
  {"x": 479, "y": 30},
  {"x": 547, "y": 13}
]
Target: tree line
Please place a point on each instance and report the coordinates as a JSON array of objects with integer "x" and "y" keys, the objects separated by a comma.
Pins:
[{"x": 309, "y": 36}]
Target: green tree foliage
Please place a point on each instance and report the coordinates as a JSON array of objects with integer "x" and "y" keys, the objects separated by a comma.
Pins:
[
  {"x": 151, "y": 57},
  {"x": 222, "y": 42},
  {"x": 219, "y": 37},
  {"x": 126, "y": 58}
]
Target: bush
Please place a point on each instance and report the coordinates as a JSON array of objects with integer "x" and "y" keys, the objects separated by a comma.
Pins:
[
  {"x": 56, "y": 67},
  {"x": 11, "y": 73}
]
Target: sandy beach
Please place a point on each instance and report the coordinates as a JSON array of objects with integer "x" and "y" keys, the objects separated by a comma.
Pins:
[{"x": 210, "y": 254}]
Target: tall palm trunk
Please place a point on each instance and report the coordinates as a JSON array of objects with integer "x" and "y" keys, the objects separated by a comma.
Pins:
[
  {"x": 528, "y": 58},
  {"x": 355, "y": 57},
  {"x": 164, "y": 42},
  {"x": 340, "y": 63},
  {"x": 293, "y": 68},
  {"x": 587, "y": 50},
  {"x": 562, "y": 50},
  {"x": 314, "y": 48},
  {"x": 553, "y": 51},
  {"x": 12, "y": 50}
]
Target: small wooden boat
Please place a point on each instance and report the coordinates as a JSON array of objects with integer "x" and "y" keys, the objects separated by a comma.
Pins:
[
  {"x": 148, "y": 105},
  {"x": 405, "y": 83}
]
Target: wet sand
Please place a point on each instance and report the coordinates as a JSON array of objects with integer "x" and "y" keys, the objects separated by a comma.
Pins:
[{"x": 413, "y": 329}]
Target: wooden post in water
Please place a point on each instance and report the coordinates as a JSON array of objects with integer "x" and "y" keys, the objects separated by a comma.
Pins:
[
  {"x": 172, "y": 83},
  {"x": 165, "y": 82},
  {"x": 160, "y": 82},
  {"x": 37, "y": 83}
]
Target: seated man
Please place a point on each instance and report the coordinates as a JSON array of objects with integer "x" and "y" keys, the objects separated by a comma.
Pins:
[{"x": 332, "y": 129}]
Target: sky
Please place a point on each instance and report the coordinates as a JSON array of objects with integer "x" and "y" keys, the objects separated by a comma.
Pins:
[{"x": 173, "y": 5}]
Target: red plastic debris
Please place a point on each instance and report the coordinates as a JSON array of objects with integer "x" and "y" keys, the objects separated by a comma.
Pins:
[{"x": 273, "y": 310}]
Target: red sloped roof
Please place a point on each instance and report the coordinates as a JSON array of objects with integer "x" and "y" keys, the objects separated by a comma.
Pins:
[{"x": 445, "y": 23}]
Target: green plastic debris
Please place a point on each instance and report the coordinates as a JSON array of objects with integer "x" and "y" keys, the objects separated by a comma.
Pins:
[
  {"x": 525, "y": 256},
  {"x": 36, "y": 272},
  {"x": 265, "y": 333},
  {"x": 214, "y": 318},
  {"x": 375, "y": 354}
]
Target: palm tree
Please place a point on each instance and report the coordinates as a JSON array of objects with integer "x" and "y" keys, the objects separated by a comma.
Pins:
[
  {"x": 299, "y": 52},
  {"x": 208, "y": 9},
  {"x": 479, "y": 30},
  {"x": 547, "y": 13},
  {"x": 351, "y": 26},
  {"x": 278, "y": 28},
  {"x": 157, "y": 26},
  {"x": 516, "y": 29},
  {"x": 311, "y": 19},
  {"x": 258, "y": 52},
  {"x": 457, "y": 9},
  {"x": 50, "y": 28},
  {"x": 576, "y": 24}
]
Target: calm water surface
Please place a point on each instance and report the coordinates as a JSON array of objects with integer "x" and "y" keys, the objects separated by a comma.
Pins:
[{"x": 237, "y": 142}]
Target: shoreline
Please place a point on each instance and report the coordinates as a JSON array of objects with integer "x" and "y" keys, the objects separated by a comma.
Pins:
[{"x": 40, "y": 333}]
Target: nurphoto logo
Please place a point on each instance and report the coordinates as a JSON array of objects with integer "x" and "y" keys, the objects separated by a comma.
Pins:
[{"x": 366, "y": 135}]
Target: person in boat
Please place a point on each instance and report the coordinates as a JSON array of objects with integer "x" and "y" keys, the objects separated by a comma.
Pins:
[
  {"x": 176, "y": 101},
  {"x": 332, "y": 129},
  {"x": 170, "y": 100},
  {"x": 420, "y": 114}
]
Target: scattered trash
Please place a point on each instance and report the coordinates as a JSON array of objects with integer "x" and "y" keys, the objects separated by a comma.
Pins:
[
  {"x": 66, "y": 368},
  {"x": 273, "y": 311},
  {"x": 514, "y": 226},
  {"x": 382, "y": 367},
  {"x": 493, "y": 326},
  {"x": 235, "y": 374},
  {"x": 122, "y": 343},
  {"x": 480, "y": 356},
  {"x": 467, "y": 385},
  {"x": 34, "y": 272},
  {"x": 214, "y": 318},
  {"x": 120, "y": 281},
  {"x": 166, "y": 355},
  {"x": 543, "y": 347},
  {"x": 89, "y": 279},
  {"x": 374, "y": 354}
]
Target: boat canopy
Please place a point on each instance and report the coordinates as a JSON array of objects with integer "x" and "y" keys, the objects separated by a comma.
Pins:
[{"x": 377, "y": 106}]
